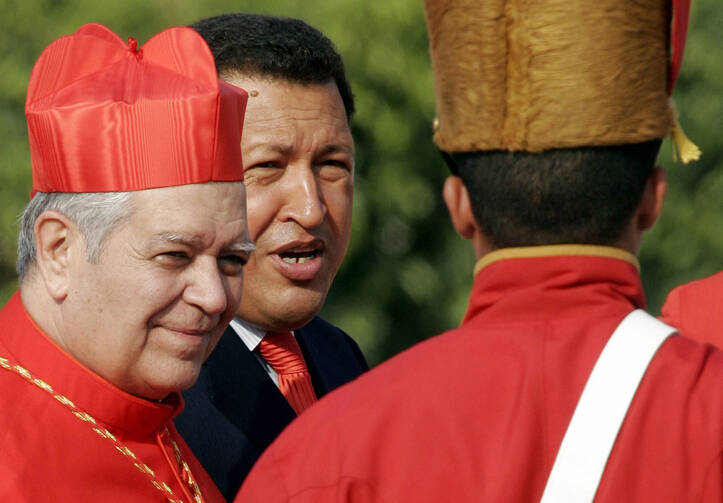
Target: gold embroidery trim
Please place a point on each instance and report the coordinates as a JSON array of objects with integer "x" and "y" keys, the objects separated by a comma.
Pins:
[
  {"x": 186, "y": 474},
  {"x": 555, "y": 250}
]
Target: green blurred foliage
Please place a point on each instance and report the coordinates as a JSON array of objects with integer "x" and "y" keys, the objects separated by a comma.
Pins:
[{"x": 407, "y": 275}]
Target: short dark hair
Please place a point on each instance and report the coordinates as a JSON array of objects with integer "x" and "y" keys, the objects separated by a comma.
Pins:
[
  {"x": 275, "y": 47},
  {"x": 578, "y": 195}
]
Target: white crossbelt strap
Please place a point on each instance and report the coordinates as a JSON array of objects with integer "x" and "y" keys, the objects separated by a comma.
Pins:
[{"x": 590, "y": 437}]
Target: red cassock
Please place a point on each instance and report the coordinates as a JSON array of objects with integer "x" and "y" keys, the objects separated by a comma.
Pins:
[
  {"x": 66, "y": 434},
  {"x": 477, "y": 414},
  {"x": 696, "y": 308}
]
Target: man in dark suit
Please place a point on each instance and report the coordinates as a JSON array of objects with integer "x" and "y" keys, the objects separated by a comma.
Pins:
[{"x": 298, "y": 156}]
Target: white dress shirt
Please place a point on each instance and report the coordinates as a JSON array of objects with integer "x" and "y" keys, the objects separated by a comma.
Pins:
[{"x": 251, "y": 336}]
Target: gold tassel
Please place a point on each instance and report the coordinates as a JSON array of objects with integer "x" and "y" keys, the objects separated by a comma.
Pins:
[{"x": 686, "y": 149}]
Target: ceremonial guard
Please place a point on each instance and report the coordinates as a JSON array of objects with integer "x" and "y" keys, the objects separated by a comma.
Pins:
[
  {"x": 130, "y": 267},
  {"x": 558, "y": 386}
]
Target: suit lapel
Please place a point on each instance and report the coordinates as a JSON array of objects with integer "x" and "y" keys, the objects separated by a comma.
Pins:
[
  {"x": 256, "y": 406},
  {"x": 327, "y": 356}
]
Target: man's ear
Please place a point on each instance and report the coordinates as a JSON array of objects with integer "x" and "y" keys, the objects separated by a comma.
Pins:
[
  {"x": 56, "y": 240},
  {"x": 651, "y": 203},
  {"x": 457, "y": 200}
]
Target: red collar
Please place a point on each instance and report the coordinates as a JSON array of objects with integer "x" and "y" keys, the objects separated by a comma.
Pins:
[
  {"x": 24, "y": 343},
  {"x": 527, "y": 286}
]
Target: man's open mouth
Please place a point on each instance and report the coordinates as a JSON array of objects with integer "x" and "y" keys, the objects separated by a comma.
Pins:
[{"x": 299, "y": 257}]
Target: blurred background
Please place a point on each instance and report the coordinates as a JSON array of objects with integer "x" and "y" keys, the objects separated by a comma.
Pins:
[{"x": 407, "y": 275}]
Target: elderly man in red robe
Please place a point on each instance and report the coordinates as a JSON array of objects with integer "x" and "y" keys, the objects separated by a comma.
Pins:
[
  {"x": 131, "y": 255},
  {"x": 558, "y": 386}
]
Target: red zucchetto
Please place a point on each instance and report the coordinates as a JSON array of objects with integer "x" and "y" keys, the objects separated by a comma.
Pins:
[{"x": 107, "y": 116}]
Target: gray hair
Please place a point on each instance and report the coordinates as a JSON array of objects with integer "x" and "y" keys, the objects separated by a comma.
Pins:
[{"x": 95, "y": 214}]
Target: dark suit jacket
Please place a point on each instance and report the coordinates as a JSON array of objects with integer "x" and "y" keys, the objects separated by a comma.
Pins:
[{"x": 234, "y": 411}]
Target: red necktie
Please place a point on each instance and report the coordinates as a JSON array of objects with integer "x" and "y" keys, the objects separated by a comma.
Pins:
[{"x": 282, "y": 352}]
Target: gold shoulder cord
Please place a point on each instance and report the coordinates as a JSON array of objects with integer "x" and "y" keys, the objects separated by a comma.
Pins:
[{"x": 102, "y": 432}]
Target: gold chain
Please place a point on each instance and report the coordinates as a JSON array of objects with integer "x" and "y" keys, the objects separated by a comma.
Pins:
[{"x": 186, "y": 475}]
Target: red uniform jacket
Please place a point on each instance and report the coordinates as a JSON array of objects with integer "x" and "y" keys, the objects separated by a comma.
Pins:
[
  {"x": 67, "y": 435},
  {"x": 696, "y": 308},
  {"x": 478, "y": 413}
]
